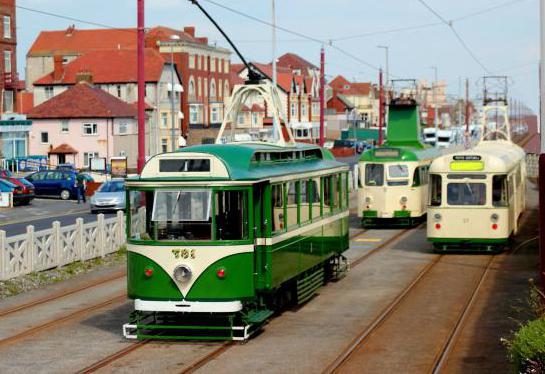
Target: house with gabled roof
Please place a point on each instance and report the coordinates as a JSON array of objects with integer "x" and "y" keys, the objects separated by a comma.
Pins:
[
  {"x": 115, "y": 71},
  {"x": 362, "y": 95},
  {"x": 81, "y": 123}
]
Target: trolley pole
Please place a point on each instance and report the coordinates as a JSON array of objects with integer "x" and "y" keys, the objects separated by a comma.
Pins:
[
  {"x": 141, "y": 87},
  {"x": 380, "y": 107},
  {"x": 322, "y": 95},
  {"x": 467, "y": 106}
]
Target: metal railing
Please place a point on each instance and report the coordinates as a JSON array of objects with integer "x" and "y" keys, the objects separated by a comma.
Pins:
[{"x": 59, "y": 246}]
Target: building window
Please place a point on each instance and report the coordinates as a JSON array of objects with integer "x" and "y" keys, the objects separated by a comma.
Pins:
[
  {"x": 315, "y": 109},
  {"x": 118, "y": 89},
  {"x": 212, "y": 64},
  {"x": 212, "y": 89},
  {"x": 205, "y": 87},
  {"x": 7, "y": 61},
  {"x": 240, "y": 119},
  {"x": 90, "y": 129},
  {"x": 64, "y": 127},
  {"x": 87, "y": 156},
  {"x": 8, "y": 101},
  {"x": 215, "y": 115},
  {"x": 254, "y": 119},
  {"x": 48, "y": 92},
  {"x": 192, "y": 61},
  {"x": 220, "y": 65},
  {"x": 303, "y": 109},
  {"x": 123, "y": 128},
  {"x": 205, "y": 63},
  {"x": 293, "y": 110},
  {"x": 44, "y": 137},
  {"x": 220, "y": 85},
  {"x": 226, "y": 92},
  {"x": 199, "y": 88},
  {"x": 164, "y": 145},
  {"x": 191, "y": 87},
  {"x": 164, "y": 119},
  {"x": 226, "y": 66},
  {"x": 199, "y": 62},
  {"x": 7, "y": 27},
  {"x": 193, "y": 114}
]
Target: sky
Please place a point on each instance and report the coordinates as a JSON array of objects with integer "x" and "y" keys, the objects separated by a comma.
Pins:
[{"x": 505, "y": 40}]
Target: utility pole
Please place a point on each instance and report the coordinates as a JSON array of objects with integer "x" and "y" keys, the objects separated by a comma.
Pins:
[
  {"x": 542, "y": 155},
  {"x": 460, "y": 101},
  {"x": 436, "y": 111},
  {"x": 322, "y": 95},
  {"x": 380, "y": 107},
  {"x": 387, "y": 51},
  {"x": 174, "y": 39},
  {"x": 274, "y": 44},
  {"x": 141, "y": 89}
]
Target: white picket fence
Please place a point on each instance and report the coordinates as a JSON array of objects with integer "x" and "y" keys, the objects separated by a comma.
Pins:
[{"x": 59, "y": 246}]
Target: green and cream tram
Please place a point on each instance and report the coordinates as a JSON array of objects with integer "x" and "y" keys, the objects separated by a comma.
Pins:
[
  {"x": 393, "y": 178},
  {"x": 477, "y": 196}
]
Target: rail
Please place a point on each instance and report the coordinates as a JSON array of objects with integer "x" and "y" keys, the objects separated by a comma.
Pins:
[{"x": 60, "y": 246}]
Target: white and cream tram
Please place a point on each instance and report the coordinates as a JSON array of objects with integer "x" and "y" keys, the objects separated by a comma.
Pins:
[{"x": 476, "y": 196}]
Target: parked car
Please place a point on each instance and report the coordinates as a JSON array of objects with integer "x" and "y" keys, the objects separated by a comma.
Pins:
[
  {"x": 6, "y": 186},
  {"x": 22, "y": 195},
  {"x": 60, "y": 183},
  {"x": 109, "y": 196},
  {"x": 65, "y": 167}
]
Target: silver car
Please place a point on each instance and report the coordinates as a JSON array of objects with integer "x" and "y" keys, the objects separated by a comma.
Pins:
[{"x": 109, "y": 196}]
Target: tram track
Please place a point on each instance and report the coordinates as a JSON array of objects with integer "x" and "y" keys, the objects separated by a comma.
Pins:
[
  {"x": 62, "y": 294},
  {"x": 120, "y": 297}
]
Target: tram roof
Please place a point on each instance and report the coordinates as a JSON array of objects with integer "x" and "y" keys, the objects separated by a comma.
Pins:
[
  {"x": 400, "y": 153},
  {"x": 497, "y": 156},
  {"x": 242, "y": 162}
]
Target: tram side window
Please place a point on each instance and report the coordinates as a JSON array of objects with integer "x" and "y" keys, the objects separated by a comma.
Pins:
[
  {"x": 140, "y": 208},
  {"x": 292, "y": 207},
  {"x": 182, "y": 215},
  {"x": 500, "y": 191},
  {"x": 277, "y": 214},
  {"x": 435, "y": 190},
  {"x": 466, "y": 194},
  {"x": 231, "y": 215},
  {"x": 417, "y": 181},
  {"x": 374, "y": 175},
  {"x": 335, "y": 192}
]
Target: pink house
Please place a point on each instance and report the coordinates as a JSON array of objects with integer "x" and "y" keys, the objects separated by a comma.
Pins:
[{"x": 82, "y": 123}]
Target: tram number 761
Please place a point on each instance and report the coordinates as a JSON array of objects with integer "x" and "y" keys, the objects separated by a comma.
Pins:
[{"x": 183, "y": 253}]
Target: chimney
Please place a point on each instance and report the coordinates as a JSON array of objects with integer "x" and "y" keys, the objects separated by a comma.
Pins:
[
  {"x": 190, "y": 30},
  {"x": 70, "y": 30},
  {"x": 58, "y": 68},
  {"x": 203, "y": 40},
  {"x": 84, "y": 76}
]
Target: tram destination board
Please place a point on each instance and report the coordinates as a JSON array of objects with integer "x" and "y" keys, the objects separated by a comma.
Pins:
[
  {"x": 466, "y": 158},
  {"x": 386, "y": 153}
]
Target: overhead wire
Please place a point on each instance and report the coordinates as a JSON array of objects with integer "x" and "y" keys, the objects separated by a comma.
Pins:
[{"x": 456, "y": 34}]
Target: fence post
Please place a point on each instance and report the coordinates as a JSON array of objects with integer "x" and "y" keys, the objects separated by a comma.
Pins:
[
  {"x": 31, "y": 255},
  {"x": 57, "y": 243},
  {"x": 80, "y": 245},
  {"x": 3, "y": 255},
  {"x": 120, "y": 234},
  {"x": 101, "y": 235}
]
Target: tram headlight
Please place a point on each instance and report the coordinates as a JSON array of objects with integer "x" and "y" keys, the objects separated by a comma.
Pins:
[
  {"x": 403, "y": 200},
  {"x": 494, "y": 218},
  {"x": 182, "y": 273},
  {"x": 437, "y": 217}
]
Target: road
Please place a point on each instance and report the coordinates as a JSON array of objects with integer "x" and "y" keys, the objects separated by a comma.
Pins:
[{"x": 42, "y": 213}]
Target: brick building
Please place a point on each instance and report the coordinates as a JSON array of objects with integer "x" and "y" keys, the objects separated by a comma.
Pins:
[{"x": 9, "y": 81}]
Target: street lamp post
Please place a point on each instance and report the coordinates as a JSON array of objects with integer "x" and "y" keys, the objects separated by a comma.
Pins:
[
  {"x": 436, "y": 112},
  {"x": 174, "y": 39}
]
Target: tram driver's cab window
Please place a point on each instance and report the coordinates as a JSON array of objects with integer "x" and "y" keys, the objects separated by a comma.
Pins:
[
  {"x": 500, "y": 191},
  {"x": 466, "y": 194},
  {"x": 277, "y": 204},
  {"x": 182, "y": 215},
  {"x": 398, "y": 175},
  {"x": 435, "y": 190},
  {"x": 231, "y": 215},
  {"x": 374, "y": 175}
]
